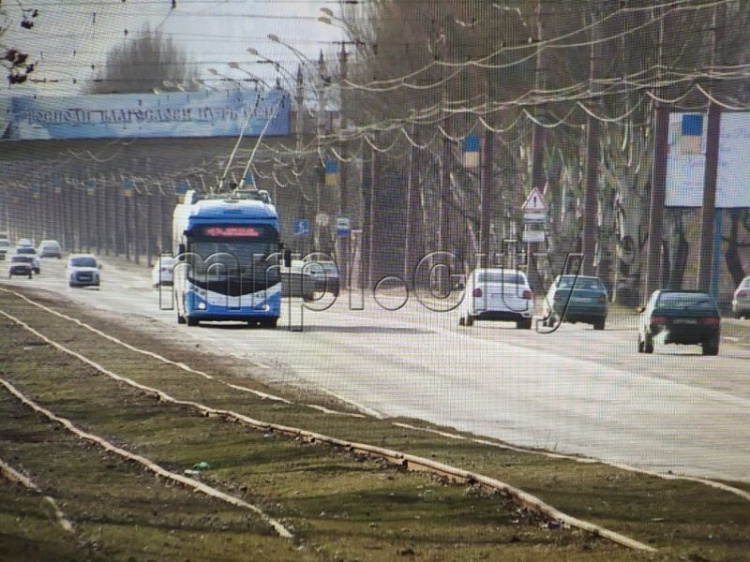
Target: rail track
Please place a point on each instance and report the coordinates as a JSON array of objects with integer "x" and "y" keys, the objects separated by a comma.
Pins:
[{"x": 393, "y": 457}]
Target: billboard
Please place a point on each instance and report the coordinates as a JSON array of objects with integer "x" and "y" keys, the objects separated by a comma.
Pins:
[
  {"x": 687, "y": 160},
  {"x": 126, "y": 116}
]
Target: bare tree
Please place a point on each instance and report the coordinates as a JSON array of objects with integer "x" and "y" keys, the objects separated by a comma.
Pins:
[
  {"x": 150, "y": 62},
  {"x": 14, "y": 61}
]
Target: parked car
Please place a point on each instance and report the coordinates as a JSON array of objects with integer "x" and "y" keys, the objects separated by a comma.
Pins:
[
  {"x": 50, "y": 249},
  {"x": 83, "y": 270},
  {"x": 497, "y": 294},
  {"x": 741, "y": 299},
  {"x": 576, "y": 298},
  {"x": 21, "y": 265},
  {"x": 326, "y": 275},
  {"x": 30, "y": 251},
  {"x": 162, "y": 272},
  {"x": 680, "y": 317}
]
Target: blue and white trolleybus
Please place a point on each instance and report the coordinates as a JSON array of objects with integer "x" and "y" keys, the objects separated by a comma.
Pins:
[{"x": 228, "y": 256}]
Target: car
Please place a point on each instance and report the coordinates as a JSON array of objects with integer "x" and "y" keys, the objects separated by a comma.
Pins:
[
  {"x": 326, "y": 275},
  {"x": 83, "y": 270},
  {"x": 680, "y": 317},
  {"x": 25, "y": 243},
  {"x": 576, "y": 298},
  {"x": 297, "y": 281},
  {"x": 21, "y": 265},
  {"x": 4, "y": 248},
  {"x": 741, "y": 299},
  {"x": 497, "y": 294},
  {"x": 162, "y": 272},
  {"x": 50, "y": 249},
  {"x": 30, "y": 251}
]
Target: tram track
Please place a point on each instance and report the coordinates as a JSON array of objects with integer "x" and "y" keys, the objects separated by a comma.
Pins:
[
  {"x": 326, "y": 410},
  {"x": 397, "y": 458}
]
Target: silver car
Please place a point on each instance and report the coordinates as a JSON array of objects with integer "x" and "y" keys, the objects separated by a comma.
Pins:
[
  {"x": 741, "y": 299},
  {"x": 83, "y": 271}
]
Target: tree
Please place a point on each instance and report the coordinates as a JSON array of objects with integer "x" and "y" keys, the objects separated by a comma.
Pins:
[
  {"x": 14, "y": 61},
  {"x": 145, "y": 64}
]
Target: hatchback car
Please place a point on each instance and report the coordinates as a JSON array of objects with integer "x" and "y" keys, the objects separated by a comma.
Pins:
[
  {"x": 741, "y": 299},
  {"x": 576, "y": 298},
  {"x": 83, "y": 270},
  {"x": 21, "y": 265},
  {"x": 30, "y": 251},
  {"x": 162, "y": 272},
  {"x": 497, "y": 294},
  {"x": 680, "y": 317},
  {"x": 50, "y": 249}
]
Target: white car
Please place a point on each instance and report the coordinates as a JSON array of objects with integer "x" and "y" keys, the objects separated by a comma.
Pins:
[
  {"x": 497, "y": 294},
  {"x": 83, "y": 271},
  {"x": 741, "y": 299},
  {"x": 162, "y": 273},
  {"x": 30, "y": 251}
]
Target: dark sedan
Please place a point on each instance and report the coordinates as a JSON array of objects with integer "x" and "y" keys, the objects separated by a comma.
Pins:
[
  {"x": 21, "y": 265},
  {"x": 680, "y": 317},
  {"x": 576, "y": 298}
]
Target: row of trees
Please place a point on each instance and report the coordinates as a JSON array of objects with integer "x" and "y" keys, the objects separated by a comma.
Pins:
[{"x": 561, "y": 94}]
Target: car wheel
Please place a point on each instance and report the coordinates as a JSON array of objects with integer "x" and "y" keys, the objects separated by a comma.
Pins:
[
  {"x": 599, "y": 325},
  {"x": 192, "y": 322},
  {"x": 462, "y": 321},
  {"x": 711, "y": 347},
  {"x": 640, "y": 344},
  {"x": 180, "y": 318},
  {"x": 648, "y": 344},
  {"x": 524, "y": 324},
  {"x": 29, "y": 275},
  {"x": 469, "y": 320}
]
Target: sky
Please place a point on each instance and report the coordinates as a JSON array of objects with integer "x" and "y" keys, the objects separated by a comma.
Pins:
[{"x": 70, "y": 38}]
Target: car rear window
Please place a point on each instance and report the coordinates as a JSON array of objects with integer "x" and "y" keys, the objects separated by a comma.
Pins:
[
  {"x": 579, "y": 283},
  {"x": 697, "y": 301},
  {"x": 26, "y": 250},
  {"x": 501, "y": 277},
  {"x": 20, "y": 259}
]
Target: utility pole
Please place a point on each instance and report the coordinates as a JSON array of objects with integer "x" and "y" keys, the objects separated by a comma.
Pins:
[
  {"x": 708, "y": 214},
  {"x": 590, "y": 206},
  {"x": 485, "y": 219},
  {"x": 413, "y": 208},
  {"x": 368, "y": 169},
  {"x": 658, "y": 181},
  {"x": 344, "y": 241}
]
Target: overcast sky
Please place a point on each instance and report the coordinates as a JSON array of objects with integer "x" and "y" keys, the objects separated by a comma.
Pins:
[{"x": 71, "y": 38}]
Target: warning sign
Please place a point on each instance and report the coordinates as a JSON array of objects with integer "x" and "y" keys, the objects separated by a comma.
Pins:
[{"x": 534, "y": 203}]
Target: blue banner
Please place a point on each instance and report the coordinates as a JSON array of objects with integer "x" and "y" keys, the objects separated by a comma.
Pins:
[{"x": 181, "y": 114}]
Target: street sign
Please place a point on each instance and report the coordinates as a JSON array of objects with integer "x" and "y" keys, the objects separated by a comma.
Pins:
[
  {"x": 534, "y": 203},
  {"x": 322, "y": 219},
  {"x": 343, "y": 227},
  {"x": 535, "y": 217},
  {"x": 302, "y": 228},
  {"x": 533, "y": 236}
]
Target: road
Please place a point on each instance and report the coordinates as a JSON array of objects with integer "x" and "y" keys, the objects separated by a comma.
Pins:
[{"x": 575, "y": 390}]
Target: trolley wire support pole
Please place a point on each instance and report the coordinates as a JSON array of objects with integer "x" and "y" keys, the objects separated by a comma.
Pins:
[
  {"x": 710, "y": 178},
  {"x": 591, "y": 204},
  {"x": 485, "y": 218},
  {"x": 658, "y": 180}
]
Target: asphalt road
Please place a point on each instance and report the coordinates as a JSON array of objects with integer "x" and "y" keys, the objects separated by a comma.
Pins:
[{"x": 574, "y": 390}]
